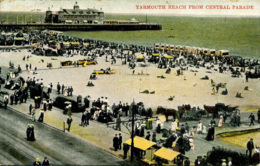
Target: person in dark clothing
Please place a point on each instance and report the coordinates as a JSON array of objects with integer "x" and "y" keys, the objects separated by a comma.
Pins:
[
  {"x": 250, "y": 147},
  {"x": 30, "y": 109},
  {"x": 148, "y": 136},
  {"x": 213, "y": 122},
  {"x": 83, "y": 119},
  {"x": 37, "y": 162},
  {"x": 120, "y": 141},
  {"x": 58, "y": 88},
  {"x": 88, "y": 117},
  {"x": 252, "y": 118},
  {"x": 258, "y": 116},
  {"x": 125, "y": 148},
  {"x": 40, "y": 119},
  {"x": 12, "y": 99},
  {"x": 69, "y": 121},
  {"x": 62, "y": 88},
  {"x": 25, "y": 96},
  {"x": 115, "y": 142},
  {"x": 30, "y": 133},
  {"x": 45, "y": 161}
]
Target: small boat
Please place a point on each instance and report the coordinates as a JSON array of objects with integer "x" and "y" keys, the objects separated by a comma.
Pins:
[
  {"x": 102, "y": 71},
  {"x": 66, "y": 63}
]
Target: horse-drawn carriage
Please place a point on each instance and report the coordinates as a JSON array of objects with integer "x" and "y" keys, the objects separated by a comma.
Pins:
[{"x": 219, "y": 107}]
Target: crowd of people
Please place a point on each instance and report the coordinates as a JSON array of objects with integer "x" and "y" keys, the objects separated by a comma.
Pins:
[{"x": 101, "y": 110}]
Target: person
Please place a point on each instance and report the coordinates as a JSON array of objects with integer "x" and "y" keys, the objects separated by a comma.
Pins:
[
  {"x": 30, "y": 132},
  {"x": 50, "y": 105},
  {"x": 62, "y": 88},
  {"x": 187, "y": 128},
  {"x": 250, "y": 146},
  {"x": 120, "y": 141},
  {"x": 45, "y": 161},
  {"x": 213, "y": 122},
  {"x": 71, "y": 90},
  {"x": 37, "y": 162},
  {"x": 83, "y": 119},
  {"x": 199, "y": 128},
  {"x": 154, "y": 137},
  {"x": 58, "y": 88},
  {"x": 115, "y": 142},
  {"x": 118, "y": 123},
  {"x": 69, "y": 121},
  {"x": 211, "y": 133},
  {"x": 148, "y": 136},
  {"x": 187, "y": 162},
  {"x": 125, "y": 148},
  {"x": 220, "y": 123},
  {"x": 33, "y": 114},
  {"x": 174, "y": 126},
  {"x": 252, "y": 118},
  {"x": 40, "y": 119},
  {"x": 258, "y": 116},
  {"x": 5, "y": 102},
  {"x": 88, "y": 117}
]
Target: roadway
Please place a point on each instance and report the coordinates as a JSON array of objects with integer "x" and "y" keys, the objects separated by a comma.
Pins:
[{"x": 59, "y": 147}]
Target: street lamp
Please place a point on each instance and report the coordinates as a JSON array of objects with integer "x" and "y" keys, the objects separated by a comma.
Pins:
[{"x": 130, "y": 123}]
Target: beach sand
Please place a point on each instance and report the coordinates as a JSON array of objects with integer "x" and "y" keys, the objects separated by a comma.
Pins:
[{"x": 126, "y": 87}]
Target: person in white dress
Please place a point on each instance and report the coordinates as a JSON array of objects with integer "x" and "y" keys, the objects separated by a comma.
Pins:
[
  {"x": 220, "y": 123},
  {"x": 199, "y": 128}
]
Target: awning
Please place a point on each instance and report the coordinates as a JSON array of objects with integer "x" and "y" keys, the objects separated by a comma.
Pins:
[
  {"x": 85, "y": 44},
  {"x": 75, "y": 43},
  {"x": 166, "y": 154},
  {"x": 68, "y": 21},
  {"x": 66, "y": 43},
  {"x": 85, "y": 21},
  {"x": 18, "y": 38},
  {"x": 140, "y": 57},
  {"x": 168, "y": 57},
  {"x": 140, "y": 143},
  {"x": 156, "y": 54}
]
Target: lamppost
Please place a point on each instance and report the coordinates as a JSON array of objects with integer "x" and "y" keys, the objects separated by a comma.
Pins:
[{"x": 129, "y": 123}]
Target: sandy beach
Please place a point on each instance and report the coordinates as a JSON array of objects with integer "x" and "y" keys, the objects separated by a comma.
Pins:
[{"x": 125, "y": 86}]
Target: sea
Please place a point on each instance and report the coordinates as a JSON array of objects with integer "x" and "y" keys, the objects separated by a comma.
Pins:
[{"x": 239, "y": 35}]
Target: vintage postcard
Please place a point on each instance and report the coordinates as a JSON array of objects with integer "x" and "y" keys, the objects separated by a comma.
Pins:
[{"x": 129, "y": 82}]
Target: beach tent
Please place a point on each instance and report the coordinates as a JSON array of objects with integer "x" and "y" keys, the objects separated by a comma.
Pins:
[{"x": 167, "y": 154}]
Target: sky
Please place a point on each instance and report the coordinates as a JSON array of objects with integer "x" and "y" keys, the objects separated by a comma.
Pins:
[{"x": 191, "y": 7}]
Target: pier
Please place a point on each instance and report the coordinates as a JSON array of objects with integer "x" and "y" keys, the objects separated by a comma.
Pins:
[{"x": 82, "y": 27}]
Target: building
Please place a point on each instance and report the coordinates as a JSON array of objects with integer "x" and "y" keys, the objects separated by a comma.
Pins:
[{"x": 75, "y": 16}]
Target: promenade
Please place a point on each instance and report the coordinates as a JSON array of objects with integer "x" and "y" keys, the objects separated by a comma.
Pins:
[{"x": 98, "y": 134}]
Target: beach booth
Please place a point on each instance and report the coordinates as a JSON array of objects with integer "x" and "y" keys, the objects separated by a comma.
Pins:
[
  {"x": 66, "y": 44},
  {"x": 19, "y": 40},
  {"x": 167, "y": 156},
  {"x": 75, "y": 44},
  {"x": 154, "y": 58},
  {"x": 140, "y": 58},
  {"x": 156, "y": 46},
  {"x": 142, "y": 145}
]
